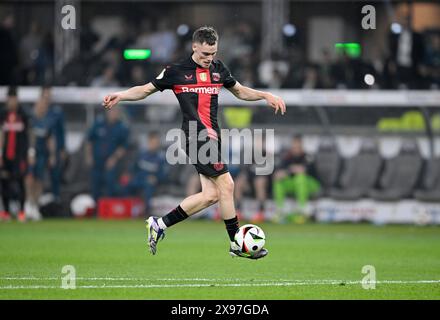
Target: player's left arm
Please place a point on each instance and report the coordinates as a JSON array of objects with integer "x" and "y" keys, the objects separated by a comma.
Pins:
[{"x": 249, "y": 94}]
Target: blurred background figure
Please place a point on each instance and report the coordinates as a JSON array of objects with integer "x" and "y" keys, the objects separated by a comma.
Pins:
[
  {"x": 55, "y": 113},
  {"x": 107, "y": 142},
  {"x": 13, "y": 155},
  {"x": 260, "y": 183},
  {"x": 107, "y": 79},
  {"x": 407, "y": 51},
  {"x": 8, "y": 54},
  {"x": 148, "y": 171},
  {"x": 42, "y": 156},
  {"x": 294, "y": 177}
]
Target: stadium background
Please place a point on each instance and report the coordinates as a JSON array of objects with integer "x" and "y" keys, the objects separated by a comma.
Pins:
[{"x": 314, "y": 54}]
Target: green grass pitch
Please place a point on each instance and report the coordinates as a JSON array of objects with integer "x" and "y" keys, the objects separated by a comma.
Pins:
[{"x": 311, "y": 261}]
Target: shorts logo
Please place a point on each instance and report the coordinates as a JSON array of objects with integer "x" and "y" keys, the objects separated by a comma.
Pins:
[
  {"x": 188, "y": 77},
  {"x": 216, "y": 76},
  {"x": 218, "y": 166},
  {"x": 203, "y": 77}
]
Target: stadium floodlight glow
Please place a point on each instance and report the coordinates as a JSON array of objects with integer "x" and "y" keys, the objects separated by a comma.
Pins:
[
  {"x": 352, "y": 49},
  {"x": 289, "y": 30},
  {"x": 137, "y": 54},
  {"x": 182, "y": 30},
  {"x": 396, "y": 28}
]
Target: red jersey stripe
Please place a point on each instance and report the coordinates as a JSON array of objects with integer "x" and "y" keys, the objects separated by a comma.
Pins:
[{"x": 204, "y": 101}]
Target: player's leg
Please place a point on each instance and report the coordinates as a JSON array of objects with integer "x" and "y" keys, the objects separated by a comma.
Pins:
[
  {"x": 6, "y": 194},
  {"x": 240, "y": 186},
  {"x": 55, "y": 179},
  {"x": 260, "y": 184},
  {"x": 189, "y": 206},
  {"x": 21, "y": 198},
  {"x": 192, "y": 204},
  {"x": 225, "y": 187}
]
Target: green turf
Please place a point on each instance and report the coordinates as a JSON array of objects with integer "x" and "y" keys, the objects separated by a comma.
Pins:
[{"x": 313, "y": 261}]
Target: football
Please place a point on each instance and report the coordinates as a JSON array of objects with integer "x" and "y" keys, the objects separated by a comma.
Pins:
[{"x": 250, "y": 238}]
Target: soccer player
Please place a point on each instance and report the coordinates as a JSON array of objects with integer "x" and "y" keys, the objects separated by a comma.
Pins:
[
  {"x": 196, "y": 82},
  {"x": 14, "y": 142}
]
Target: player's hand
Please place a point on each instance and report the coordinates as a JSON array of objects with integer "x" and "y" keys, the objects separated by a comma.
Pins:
[
  {"x": 111, "y": 100},
  {"x": 276, "y": 102}
]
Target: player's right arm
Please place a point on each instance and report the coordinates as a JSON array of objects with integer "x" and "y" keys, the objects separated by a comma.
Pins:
[{"x": 132, "y": 94}]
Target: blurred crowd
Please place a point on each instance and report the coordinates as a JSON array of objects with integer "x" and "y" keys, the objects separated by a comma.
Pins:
[
  {"x": 33, "y": 161},
  {"x": 412, "y": 59}
]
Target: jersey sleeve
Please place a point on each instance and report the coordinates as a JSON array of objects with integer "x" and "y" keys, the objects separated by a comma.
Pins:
[
  {"x": 228, "y": 80},
  {"x": 165, "y": 80}
]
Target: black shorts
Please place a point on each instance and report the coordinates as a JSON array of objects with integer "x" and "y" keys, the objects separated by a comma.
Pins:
[
  {"x": 13, "y": 169},
  {"x": 205, "y": 156}
]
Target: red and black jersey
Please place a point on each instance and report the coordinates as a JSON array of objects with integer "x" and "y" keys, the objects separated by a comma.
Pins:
[
  {"x": 197, "y": 90},
  {"x": 14, "y": 127}
]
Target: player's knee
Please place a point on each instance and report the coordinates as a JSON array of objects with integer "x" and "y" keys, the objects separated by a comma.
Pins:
[
  {"x": 227, "y": 188},
  {"x": 211, "y": 196}
]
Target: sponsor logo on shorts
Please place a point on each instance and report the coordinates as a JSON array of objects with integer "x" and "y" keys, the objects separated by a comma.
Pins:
[{"x": 218, "y": 166}]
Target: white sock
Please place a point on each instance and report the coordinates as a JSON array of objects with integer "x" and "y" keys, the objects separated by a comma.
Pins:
[{"x": 161, "y": 224}]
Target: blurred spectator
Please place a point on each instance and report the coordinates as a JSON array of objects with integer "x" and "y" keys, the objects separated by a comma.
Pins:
[
  {"x": 260, "y": 183},
  {"x": 43, "y": 153},
  {"x": 8, "y": 53},
  {"x": 271, "y": 73},
  {"x": 432, "y": 60},
  {"x": 325, "y": 70},
  {"x": 294, "y": 176},
  {"x": 148, "y": 172},
  {"x": 137, "y": 76},
  {"x": 406, "y": 51},
  {"x": 311, "y": 78},
  {"x": 13, "y": 155},
  {"x": 107, "y": 141},
  {"x": 57, "y": 120},
  {"x": 30, "y": 47},
  {"x": 237, "y": 41},
  {"x": 107, "y": 79},
  {"x": 162, "y": 43}
]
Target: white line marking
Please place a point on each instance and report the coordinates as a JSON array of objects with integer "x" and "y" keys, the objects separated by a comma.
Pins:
[{"x": 268, "y": 284}]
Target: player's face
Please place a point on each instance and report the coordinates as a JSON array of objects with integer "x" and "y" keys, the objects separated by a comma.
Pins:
[{"x": 204, "y": 53}]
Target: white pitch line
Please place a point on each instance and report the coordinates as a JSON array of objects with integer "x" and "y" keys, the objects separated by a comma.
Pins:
[{"x": 268, "y": 284}]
